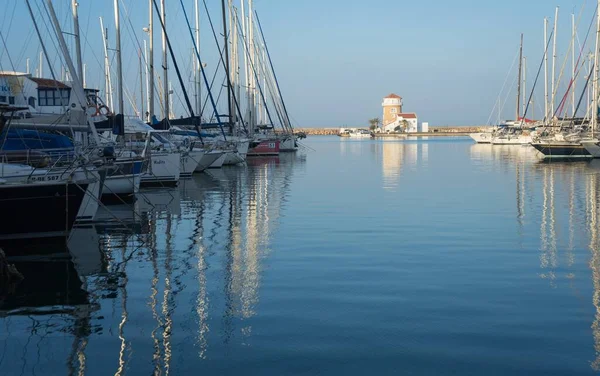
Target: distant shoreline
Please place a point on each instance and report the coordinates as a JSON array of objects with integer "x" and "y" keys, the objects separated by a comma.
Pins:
[{"x": 446, "y": 130}]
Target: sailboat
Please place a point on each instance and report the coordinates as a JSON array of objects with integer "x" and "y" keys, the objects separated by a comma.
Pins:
[
  {"x": 510, "y": 132},
  {"x": 592, "y": 144}
]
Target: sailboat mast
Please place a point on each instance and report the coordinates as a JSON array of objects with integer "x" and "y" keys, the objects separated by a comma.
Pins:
[
  {"x": 108, "y": 84},
  {"x": 165, "y": 60},
  {"x": 232, "y": 64},
  {"x": 141, "y": 85},
  {"x": 595, "y": 85},
  {"x": 150, "y": 62},
  {"x": 147, "y": 81},
  {"x": 171, "y": 114},
  {"x": 524, "y": 85},
  {"x": 274, "y": 78},
  {"x": 74, "y": 6},
  {"x": 197, "y": 72},
  {"x": 552, "y": 99},
  {"x": 246, "y": 71},
  {"x": 589, "y": 89},
  {"x": 227, "y": 67},
  {"x": 119, "y": 61},
  {"x": 573, "y": 66},
  {"x": 252, "y": 63},
  {"x": 520, "y": 77},
  {"x": 545, "y": 68},
  {"x": 77, "y": 88},
  {"x": 236, "y": 58}
]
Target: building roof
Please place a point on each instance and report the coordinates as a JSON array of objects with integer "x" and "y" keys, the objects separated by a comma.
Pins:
[
  {"x": 394, "y": 96},
  {"x": 47, "y": 83},
  {"x": 13, "y": 73},
  {"x": 408, "y": 115}
]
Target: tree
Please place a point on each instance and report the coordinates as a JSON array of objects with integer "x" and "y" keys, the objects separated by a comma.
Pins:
[
  {"x": 374, "y": 123},
  {"x": 404, "y": 125}
]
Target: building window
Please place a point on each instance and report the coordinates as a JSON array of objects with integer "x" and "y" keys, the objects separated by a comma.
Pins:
[
  {"x": 2, "y": 99},
  {"x": 394, "y": 110},
  {"x": 31, "y": 102},
  {"x": 53, "y": 97},
  {"x": 43, "y": 97},
  {"x": 11, "y": 100},
  {"x": 65, "y": 96}
]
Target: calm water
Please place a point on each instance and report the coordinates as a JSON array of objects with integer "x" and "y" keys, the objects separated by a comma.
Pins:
[{"x": 435, "y": 257}]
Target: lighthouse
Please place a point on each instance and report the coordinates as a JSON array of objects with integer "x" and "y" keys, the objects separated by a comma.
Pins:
[{"x": 392, "y": 106}]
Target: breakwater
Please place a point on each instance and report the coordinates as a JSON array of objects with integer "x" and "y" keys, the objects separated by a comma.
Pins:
[{"x": 457, "y": 130}]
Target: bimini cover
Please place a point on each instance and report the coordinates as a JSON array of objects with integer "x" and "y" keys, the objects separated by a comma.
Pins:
[
  {"x": 25, "y": 139},
  {"x": 135, "y": 125}
]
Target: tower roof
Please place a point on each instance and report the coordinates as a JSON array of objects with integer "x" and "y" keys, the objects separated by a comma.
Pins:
[{"x": 394, "y": 96}]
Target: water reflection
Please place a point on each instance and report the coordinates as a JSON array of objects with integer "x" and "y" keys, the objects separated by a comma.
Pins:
[
  {"x": 565, "y": 199},
  {"x": 397, "y": 156},
  {"x": 177, "y": 281},
  {"x": 120, "y": 291}
]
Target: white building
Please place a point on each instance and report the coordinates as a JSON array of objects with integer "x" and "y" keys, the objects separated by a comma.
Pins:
[
  {"x": 404, "y": 122},
  {"x": 39, "y": 95}
]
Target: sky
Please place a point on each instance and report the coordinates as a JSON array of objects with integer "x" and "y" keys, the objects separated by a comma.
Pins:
[{"x": 336, "y": 60}]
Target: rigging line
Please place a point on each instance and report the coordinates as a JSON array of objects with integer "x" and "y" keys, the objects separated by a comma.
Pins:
[
  {"x": 87, "y": 43},
  {"x": 273, "y": 70},
  {"x": 213, "y": 103},
  {"x": 537, "y": 77},
  {"x": 578, "y": 60},
  {"x": 502, "y": 89},
  {"x": 6, "y": 15},
  {"x": 566, "y": 96},
  {"x": 262, "y": 95},
  {"x": 87, "y": 30},
  {"x": 140, "y": 47},
  {"x": 227, "y": 71},
  {"x": 181, "y": 82},
  {"x": 25, "y": 44},
  {"x": 583, "y": 93},
  {"x": 55, "y": 33},
  {"x": 562, "y": 70},
  {"x": 49, "y": 32},
  {"x": 212, "y": 82},
  {"x": 12, "y": 17}
]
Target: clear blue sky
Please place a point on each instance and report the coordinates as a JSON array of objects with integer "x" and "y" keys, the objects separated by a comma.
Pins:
[{"x": 336, "y": 59}]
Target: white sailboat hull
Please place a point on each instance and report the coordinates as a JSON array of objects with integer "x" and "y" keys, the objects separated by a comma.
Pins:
[
  {"x": 89, "y": 205},
  {"x": 164, "y": 168},
  {"x": 288, "y": 144},
  {"x": 190, "y": 161},
  {"x": 240, "y": 155},
  {"x": 14, "y": 173},
  {"x": 592, "y": 147},
  {"x": 511, "y": 140},
  {"x": 207, "y": 159},
  {"x": 122, "y": 185},
  {"x": 482, "y": 137},
  {"x": 218, "y": 163}
]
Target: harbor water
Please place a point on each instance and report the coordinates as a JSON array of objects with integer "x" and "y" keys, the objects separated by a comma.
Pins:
[{"x": 352, "y": 257}]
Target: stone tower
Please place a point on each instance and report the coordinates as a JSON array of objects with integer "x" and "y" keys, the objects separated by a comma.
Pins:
[{"x": 392, "y": 105}]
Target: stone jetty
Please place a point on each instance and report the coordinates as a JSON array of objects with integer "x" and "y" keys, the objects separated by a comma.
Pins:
[{"x": 433, "y": 131}]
